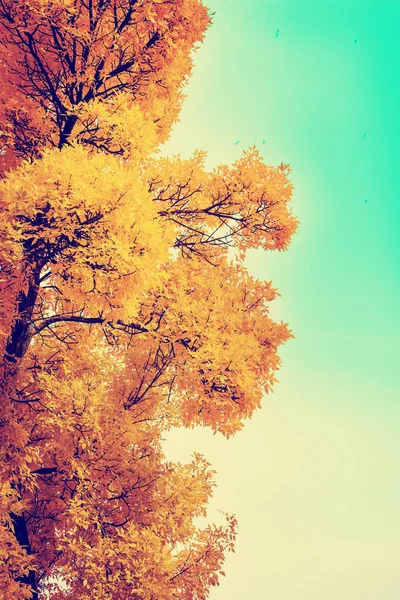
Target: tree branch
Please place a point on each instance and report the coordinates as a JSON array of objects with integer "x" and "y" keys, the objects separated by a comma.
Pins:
[{"x": 68, "y": 319}]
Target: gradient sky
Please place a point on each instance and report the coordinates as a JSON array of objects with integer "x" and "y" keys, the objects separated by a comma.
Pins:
[{"x": 314, "y": 477}]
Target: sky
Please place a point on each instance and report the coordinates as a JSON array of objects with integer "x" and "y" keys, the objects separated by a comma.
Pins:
[{"x": 314, "y": 477}]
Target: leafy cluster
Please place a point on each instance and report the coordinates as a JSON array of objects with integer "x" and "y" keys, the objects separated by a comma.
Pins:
[{"x": 126, "y": 308}]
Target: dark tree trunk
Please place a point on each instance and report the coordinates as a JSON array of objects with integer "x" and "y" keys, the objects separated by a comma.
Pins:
[
  {"x": 16, "y": 347},
  {"x": 21, "y": 534}
]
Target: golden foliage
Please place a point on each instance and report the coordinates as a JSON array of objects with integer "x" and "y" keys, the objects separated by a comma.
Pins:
[{"x": 126, "y": 308}]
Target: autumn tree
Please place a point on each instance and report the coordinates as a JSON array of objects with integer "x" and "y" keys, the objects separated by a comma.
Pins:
[{"x": 126, "y": 307}]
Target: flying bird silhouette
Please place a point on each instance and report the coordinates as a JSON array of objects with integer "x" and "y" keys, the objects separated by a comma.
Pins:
[
  {"x": 263, "y": 141},
  {"x": 277, "y": 33},
  {"x": 355, "y": 41},
  {"x": 364, "y": 135},
  {"x": 365, "y": 201},
  {"x": 236, "y": 143}
]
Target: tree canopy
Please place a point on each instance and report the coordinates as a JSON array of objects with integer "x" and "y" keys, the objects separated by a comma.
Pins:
[{"x": 126, "y": 307}]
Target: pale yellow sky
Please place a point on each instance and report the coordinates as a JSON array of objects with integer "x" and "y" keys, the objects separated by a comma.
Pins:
[{"x": 310, "y": 490}]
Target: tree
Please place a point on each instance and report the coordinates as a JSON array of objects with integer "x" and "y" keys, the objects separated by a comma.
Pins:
[{"x": 126, "y": 306}]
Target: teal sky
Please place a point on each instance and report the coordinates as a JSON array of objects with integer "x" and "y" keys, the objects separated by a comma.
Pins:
[{"x": 314, "y": 478}]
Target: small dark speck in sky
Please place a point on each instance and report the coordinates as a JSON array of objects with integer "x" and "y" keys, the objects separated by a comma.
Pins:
[
  {"x": 277, "y": 32},
  {"x": 355, "y": 41},
  {"x": 365, "y": 201},
  {"x": 364, "y": 135},
  {"x": 236, "y": 143},
  {"x": 263, "y": 141}
]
